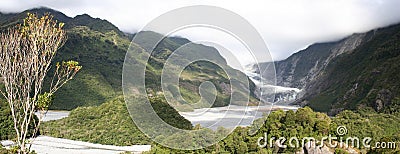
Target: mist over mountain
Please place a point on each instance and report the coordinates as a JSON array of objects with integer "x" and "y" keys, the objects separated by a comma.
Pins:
[{"x": 356, "y": 72}]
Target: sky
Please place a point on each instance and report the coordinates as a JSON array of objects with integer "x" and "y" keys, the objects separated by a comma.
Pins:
[{"x": 286, "y": 26}]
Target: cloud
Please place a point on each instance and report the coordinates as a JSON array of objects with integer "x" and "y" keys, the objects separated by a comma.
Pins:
[{"x": 286, "y": 25}]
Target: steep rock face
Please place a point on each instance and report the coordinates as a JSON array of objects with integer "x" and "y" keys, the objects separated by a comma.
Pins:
[
  {"x": 358, "y": 71},
  {"x": 365, "y": 77},
  {"x": 306, "y": 65}
]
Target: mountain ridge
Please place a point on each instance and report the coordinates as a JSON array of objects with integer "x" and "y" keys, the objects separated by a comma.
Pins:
[
  {"x": 312, "y": 69},
  {"x": 293, "y": 72},
  {"x": 367, "y": 76},
  {"x": 97, "y": 43}
]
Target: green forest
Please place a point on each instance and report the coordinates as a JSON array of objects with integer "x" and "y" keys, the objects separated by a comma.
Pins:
[
  {"x": 99, "y": 112},
  {"x": 110, "y": 123}
]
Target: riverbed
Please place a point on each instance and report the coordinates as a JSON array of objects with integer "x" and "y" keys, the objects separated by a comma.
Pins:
[
  {"x": 49, "y": 145},
  {"x": 230, "y": 116},
  {"x": 54, "y": 115}
]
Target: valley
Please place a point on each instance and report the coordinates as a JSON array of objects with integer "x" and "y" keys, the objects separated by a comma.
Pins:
[{"x": 351, "y": 82}]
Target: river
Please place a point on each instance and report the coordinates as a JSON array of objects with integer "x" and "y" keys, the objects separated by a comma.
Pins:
[
  {"x": 230, "y": 116},
  {"x": 47, "y": 144},
  {"x": 227, "y": 117}
]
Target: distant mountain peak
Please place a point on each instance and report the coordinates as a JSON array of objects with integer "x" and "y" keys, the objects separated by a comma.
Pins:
[
  {"x": 84, "y": 16},
  {"x": 96, "y": 24},
  {"x": 56, "y": 14},
  {"x": 43, "y": 8}
]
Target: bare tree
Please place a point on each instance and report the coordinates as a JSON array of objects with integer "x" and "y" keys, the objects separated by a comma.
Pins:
[{"x": 26, "y": 53}]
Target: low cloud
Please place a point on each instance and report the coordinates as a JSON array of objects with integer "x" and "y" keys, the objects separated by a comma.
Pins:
[{"x": 286, "y": 25}]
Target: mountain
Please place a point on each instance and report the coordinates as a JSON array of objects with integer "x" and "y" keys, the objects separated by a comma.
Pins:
[
  {"x": 365, "y": 77},
  {"x": 294, "y": 73},
  {"x": 195, "y": 73},
  {"x": 355, "y": 72},
  {"x": 100, "y": 47},
  {"x": 304, "y": 66}
]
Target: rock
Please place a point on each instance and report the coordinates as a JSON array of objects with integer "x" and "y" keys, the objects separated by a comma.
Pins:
[
  {"x": 226, "y": 88},
  {"x": 301, "y": 151},
  {"x": 378, "y": 104},
  {"x": 7, "y": 143},
  {"x": 311, "y": 148},
  {"x": 383, "y": 98},
  {"x": 325, "y": 149},
  {"x": 335, "y": 111},
  {"x": 346, "y": 148},
  {"x": 352, "y": 151}
]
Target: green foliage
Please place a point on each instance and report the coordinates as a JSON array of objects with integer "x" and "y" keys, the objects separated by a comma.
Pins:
[
  {"x": 395, "y": 150},
  {"x": 44, "y": 100},
  {"x": 340, "y": 151},
  {"x": 91, "y": 86},
  {"x": 74, "y": 65},
  {"x": 7, "y": 131},
  {"x": 394, "y": 108},
  {"x": 106, "y": 49},
  {"x": 193, "y": 74},
  {"x": 168, "y": 113},
  {"x": 6, "y": 151},
  {"x": 372, "y": 124},
  {"x": 95, "y": 24},
  {"x": 6, "y": 122},
  {"x": 109, "y": 123},
  {"x": 305, "y": 123}
]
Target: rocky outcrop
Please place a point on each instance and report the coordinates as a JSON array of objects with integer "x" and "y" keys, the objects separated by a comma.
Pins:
[
  {"x": 306, "y": 65},
  {"x": 366, "y": 75},
  {"x": 383, "y": 99},
  {"x": 315, "y": 148},
  {"x": 311, "y": 148},
  {"x": 355, "y": 72}
]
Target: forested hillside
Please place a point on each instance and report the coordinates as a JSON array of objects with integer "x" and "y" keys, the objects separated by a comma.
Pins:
[
  {"x": 100, "y": 47},
  {"x": 109, "y": 123}
]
